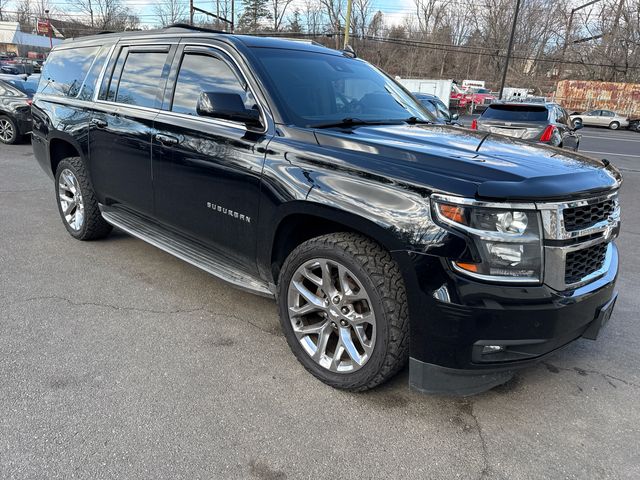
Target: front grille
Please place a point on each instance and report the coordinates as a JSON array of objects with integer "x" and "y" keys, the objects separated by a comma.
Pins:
[
  {"x": 581, "y": 263},
  {"x": 488, "y": 101},
  {"x": 579, "y": 218}
]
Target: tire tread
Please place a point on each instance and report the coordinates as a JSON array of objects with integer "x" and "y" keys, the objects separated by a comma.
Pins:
[
  {"x": 387, "y": 278},
  {"x": 95, "y": 226}
]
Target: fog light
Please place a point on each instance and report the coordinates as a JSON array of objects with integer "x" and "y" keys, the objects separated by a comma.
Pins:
[{"x": 488, "y": 349}]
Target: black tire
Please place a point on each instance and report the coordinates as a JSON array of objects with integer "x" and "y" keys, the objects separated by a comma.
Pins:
[
  {"x": 383, "y": 282},
  {"x": 14, "y": 136},
  {"x": 614, "y": 125},
  {"x": 94, "y": 226}
]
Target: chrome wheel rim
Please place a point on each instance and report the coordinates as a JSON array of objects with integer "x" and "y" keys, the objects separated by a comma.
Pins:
[
  {"x": 6, "y": 130},
  {"x": 332, "y": 315},
  {"x": 70, "y": 197}
]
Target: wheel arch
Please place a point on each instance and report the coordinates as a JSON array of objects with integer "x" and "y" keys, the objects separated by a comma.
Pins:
[
  {"x": 300, "y": 221},
  {"x": 61, "y": 148}
]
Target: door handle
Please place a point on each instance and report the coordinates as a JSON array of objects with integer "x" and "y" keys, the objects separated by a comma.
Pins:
[
  {"x": 98, "y": 122},
  {"x": 166, "y": 139}
]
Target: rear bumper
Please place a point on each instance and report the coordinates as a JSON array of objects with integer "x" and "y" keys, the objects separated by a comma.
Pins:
[{"x": 448, "y": 354}]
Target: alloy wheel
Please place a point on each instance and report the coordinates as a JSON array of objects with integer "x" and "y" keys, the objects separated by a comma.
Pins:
[
  {"x": 70, "y": 197},
  {"x": 332, "y": 315},
  {"x": 6, "y": 130}
]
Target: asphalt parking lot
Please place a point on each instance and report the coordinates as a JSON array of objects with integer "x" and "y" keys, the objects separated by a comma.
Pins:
[{"x": 120, "y": 361}]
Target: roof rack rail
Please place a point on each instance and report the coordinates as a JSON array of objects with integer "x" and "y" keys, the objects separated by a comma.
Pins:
[
  {"x": 104, "y": 32},
  {"x": 192, "y": 27}
]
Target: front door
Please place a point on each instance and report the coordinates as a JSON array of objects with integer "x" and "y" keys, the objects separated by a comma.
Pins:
[
  {"x": 122, "y": 127},
  {"x": 207, "y": 171}
]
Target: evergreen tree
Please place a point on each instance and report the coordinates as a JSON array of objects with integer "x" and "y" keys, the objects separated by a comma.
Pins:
[
  {"x": 254, "y": 12},
  {"x": 295, "y": 22}
]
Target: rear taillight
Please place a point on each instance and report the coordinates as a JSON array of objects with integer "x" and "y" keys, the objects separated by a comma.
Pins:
[
  {"x": 474, "y": 124},
  {"x": 548, "y": 133},
  {"x": 29, "y": 101}
]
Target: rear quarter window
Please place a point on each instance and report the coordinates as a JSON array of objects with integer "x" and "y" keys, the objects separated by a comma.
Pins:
[
  {"x": 65, "y": 70},
  {"x": 516, "y": 113}
]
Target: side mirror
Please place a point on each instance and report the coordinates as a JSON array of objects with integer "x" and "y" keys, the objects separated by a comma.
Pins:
[
  {"x": 228, "y": 106},
  {"x": 455, "y": 116},
  {"x": 577, "y": 125}
]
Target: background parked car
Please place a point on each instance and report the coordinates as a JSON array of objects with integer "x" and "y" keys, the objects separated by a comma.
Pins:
[
  {"x": 601, "y": 118},
  {"x": 537, "y": 122},
  {"x": 437, "y": 108},
  {"x": 16, "y": 93}
]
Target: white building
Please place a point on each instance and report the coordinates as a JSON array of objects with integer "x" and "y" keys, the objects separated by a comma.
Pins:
[{"x": 14, "y": 40}]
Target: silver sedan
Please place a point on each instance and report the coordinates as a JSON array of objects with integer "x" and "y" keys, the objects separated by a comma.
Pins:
[{"x": 601, "y": 118}]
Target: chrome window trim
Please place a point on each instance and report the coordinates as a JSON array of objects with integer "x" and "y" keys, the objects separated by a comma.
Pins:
[
  {"x": 209, "y": 120},
  {"x": 126, "y": 105},
  {"x": 103, "y": 71}
]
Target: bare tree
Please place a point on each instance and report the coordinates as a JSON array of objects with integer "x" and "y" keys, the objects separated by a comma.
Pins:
[
  {"x": 278, "y": 12},
  {"x": 313, "y": 14},
  {"x": 108, "y": 14},
  {"x": 334, "y": 9},
  {"x": 170, "y": 11},
  {"x": 3, "y": 3},
  {"x": 361, "y": 17}
]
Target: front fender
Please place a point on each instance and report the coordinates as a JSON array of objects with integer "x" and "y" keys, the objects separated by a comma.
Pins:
[{"x": 302, "y": 177}]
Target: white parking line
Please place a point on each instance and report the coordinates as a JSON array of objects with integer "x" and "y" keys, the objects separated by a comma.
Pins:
[
  {"x": 609, "y": 153},
  {"x": 619, "y": 139}
]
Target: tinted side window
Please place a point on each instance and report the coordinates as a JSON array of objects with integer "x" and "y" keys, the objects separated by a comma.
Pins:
[
  {"x": 92, "y": 77},
  {"x": 205, "y": 73},
  {"x": 65, "y": 71},
  {"x": 141, "y": 78}
]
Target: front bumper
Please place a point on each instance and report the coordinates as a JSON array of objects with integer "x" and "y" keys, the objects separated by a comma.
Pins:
[{"x": 529, "y": 323}]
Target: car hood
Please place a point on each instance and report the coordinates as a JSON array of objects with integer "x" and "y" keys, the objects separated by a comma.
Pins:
[{"x": 470, "y": 163}]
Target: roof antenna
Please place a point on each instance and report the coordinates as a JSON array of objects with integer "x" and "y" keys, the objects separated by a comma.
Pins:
[{"x": 348, "y": 51}]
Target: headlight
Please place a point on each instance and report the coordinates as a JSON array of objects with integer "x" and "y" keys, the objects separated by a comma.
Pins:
[{"x": 508, "y": 241}]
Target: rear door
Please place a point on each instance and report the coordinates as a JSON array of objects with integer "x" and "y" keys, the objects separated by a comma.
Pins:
[
  {"x": 607, "y": 117},
  {"x": 206, "y": 170},
  {"x": 122, "y": 125}
]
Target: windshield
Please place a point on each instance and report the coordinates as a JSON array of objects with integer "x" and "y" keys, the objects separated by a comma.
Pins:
[
  {"x": 516, "y": 113},
  {"x": 316, "y": 88}
]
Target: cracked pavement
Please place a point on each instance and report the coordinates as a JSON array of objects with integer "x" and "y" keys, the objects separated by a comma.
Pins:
[{"x": 120, "y": 361}]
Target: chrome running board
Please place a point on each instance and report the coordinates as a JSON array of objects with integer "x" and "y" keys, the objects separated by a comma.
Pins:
[{"x": 184, "y": 248}]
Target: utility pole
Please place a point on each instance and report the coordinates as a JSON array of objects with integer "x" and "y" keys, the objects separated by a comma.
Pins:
[
  {"x": 191, "y": 12},
  {"x": 568, "y": 32},
  {"x": 50, "y": 29},
  {"x": 509, "y": 48},
  {"x": 347, "y": 25},
  {"x": 233, "y": 15}
]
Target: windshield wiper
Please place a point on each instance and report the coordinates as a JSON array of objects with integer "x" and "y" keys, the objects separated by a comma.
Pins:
[
  {"x": 352, "y": 122},
  {"x": 416, "y": 120}
]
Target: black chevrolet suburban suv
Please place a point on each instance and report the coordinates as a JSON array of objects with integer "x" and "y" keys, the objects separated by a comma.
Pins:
[{"x": 303, "y": 173}]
